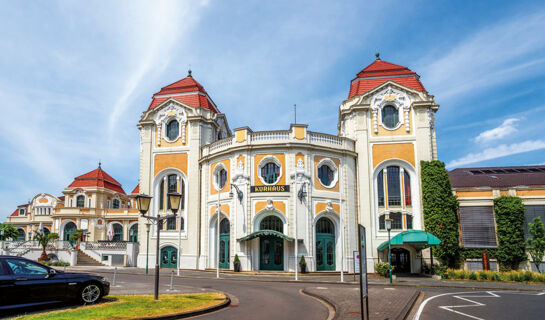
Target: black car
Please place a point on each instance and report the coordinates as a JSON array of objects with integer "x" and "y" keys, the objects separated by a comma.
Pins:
[{"x": 24, "y": 282}]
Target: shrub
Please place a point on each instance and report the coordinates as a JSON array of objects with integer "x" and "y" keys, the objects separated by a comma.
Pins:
[
  {"x": 439, "y": 270},
  {"x": 56, "y": 264},
  {"x": 440, "y": 211},
  {"x": 482, "y": 275},
  {"x": 382, "y": 268},
  {"x": 536, "y": 242},
  {"x": 472, "y": 276},
  {"x": 510, "y": 230},
  {"x": 236, "y": 260}
]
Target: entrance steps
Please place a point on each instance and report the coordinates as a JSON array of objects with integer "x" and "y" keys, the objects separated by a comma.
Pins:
[
  {"x": 279, "y": 273},
  {"x": 86, "y": 260}
]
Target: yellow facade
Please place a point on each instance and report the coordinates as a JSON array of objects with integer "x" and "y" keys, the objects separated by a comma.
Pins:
[
  {"x": 280, "y": 157},
  {"x": 278, "y": 205},
  {"x": 171, "y": 160},
  {"x": 322, "y": 206},
  {"x": 402, "y": 151},
  {"x": 318, "y": 185},
  {"x": 227, "y": 187}
]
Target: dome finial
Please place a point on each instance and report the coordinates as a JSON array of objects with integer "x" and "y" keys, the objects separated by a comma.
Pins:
[
  {"x": 99, "y": 164},
  {"x": 377, "y": 55},
  {"x": 189, "y": 72}
]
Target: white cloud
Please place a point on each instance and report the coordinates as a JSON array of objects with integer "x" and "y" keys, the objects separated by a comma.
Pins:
[
  {"x": 498, "y": 152},
  {"x": 506, "y": 128}
]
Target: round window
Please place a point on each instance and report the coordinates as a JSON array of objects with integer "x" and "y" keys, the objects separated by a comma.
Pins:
[
  {"x": 270, "y": 172},
  {"x": 173, "y": 130},
  {"x": 390, "y": 117},
  {"x": 326, "y": 175},
  {"x": 221, "y": 178}
]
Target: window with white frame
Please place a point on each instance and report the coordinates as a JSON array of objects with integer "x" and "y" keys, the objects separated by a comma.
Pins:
[
  {"x": 397, "y": 190},
  {"x": 327, "y": 173},
  {"x": 80, "y": 201},
  {"x": 400, "y": 221},
  {"x": 270, "y": 170},
  {"x": 173, "y": 130},
  {"x": 390, "y": 116},
  {"x": 220, "y": 176}
]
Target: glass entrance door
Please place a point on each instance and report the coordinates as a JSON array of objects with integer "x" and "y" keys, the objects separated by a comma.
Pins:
[
  {"x": 271, "y": 253},
  {"x": 169, "y": 256},
  {"x": 325, "y": 252},
  {"x": 401, "y": 260}
]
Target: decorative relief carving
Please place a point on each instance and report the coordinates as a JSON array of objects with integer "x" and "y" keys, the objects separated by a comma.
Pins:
[
  {"x": 171, "y": 112},
  {"x": 393, "y": 97}
]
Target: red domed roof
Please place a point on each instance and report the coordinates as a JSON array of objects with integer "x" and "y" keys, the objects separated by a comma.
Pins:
[
  {"x": 97, "y": 178},
  {"x": 187, "y": 91},
  {"x": 379, "y": 72}
]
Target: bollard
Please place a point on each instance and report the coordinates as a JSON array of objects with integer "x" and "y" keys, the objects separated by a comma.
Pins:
[
  {"x": 172, "y": 281},
  {"x": 115, "y": 275}
]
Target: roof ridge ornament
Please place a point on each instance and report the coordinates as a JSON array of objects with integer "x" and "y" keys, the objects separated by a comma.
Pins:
[
  {"x": 377, "y": 55},
  {"x": 189, "y": 73}
]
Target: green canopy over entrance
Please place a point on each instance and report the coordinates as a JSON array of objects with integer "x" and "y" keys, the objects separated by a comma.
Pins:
[
  {"x": 413, "y": 238},
  {"x": 262, "y": 233}
]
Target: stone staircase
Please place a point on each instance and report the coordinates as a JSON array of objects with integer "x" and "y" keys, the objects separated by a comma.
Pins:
[{"x": 86, "y": 260}]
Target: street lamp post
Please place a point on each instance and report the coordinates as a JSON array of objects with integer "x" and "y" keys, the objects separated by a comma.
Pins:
[
  {"x": 148, "y": 224},
  {"x": 388, "y": 223},
  {"x": 143, "y": 206}
]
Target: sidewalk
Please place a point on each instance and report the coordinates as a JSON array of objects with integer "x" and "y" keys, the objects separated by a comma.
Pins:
[{"x": 373, "y": 280}]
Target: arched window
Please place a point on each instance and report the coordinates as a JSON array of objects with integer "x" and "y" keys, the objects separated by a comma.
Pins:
[
  {"x": 382, "y": 222},
  {"x": 380, "y": 188},
  {"x": 172, "y": 186},
  {"x": 326, "y": 175},
  {"x": 271, "y": 223},
  {"x": 221, "y": 178},
  {"x": 270, "y": 172},
  {"x": 133, "y": 233},
  {"x": 115, "y": 204},
  {"x": 80, "y": 201},
  {"x": 397, "y": 222},
  {"x": 173, "y": 130},
  {"x": 21, "y": 235},
  {"x": 407, "y": 190},
  {"x": 324, "y": 225},
  {"x": 394, "y": 188},
  {"x": 224, "y": 226},
  {"x": 118, "y": 232},
  {"x": 390, "y": 117}
]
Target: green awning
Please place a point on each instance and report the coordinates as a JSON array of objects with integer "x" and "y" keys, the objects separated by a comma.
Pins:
[
  {"x": 262, "y": 233},
  {"x": 412, "y": 238}
]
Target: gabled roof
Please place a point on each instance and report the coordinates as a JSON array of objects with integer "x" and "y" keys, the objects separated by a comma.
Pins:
[
  {"x": 187, "y": 91},
  {"x": 381, "y": 71},
  {"x": 498, "y": 177},
  {"x": 16, "y": 212},
  {"x": 136, "y": 189},
  {"x": 97, "y": 178}
]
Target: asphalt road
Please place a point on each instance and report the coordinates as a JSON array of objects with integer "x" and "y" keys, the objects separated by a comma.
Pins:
[{"x": 479, "y": 305}]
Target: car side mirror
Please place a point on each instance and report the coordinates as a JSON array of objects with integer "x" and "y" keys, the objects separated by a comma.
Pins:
[{"x": 52, "y": 272}]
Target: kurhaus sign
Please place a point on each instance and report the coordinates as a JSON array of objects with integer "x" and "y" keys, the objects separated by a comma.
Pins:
[{"x": 278, "y": 188}]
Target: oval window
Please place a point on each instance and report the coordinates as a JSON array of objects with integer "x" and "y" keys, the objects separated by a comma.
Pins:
[
  {"x": 270, "y": 172},
  {"x": 221, "y": 178},
  {"x": 326, "y": 175},
  {"x": 173, "y": 129},
  {"x": 390, "y": 117}
]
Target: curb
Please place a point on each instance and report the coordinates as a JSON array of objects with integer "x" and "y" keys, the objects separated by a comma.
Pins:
[
  {"x": 325, "y": 301},
  {"x": 330, "y": 282},
  {"x": 407, "y": 309},
  {"x": 191, "y": 313}
]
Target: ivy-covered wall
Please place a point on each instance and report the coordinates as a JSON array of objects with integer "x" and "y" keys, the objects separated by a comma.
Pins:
[
  {"x": 510, "y": 231},
  {"x": 440, "y": 211}
]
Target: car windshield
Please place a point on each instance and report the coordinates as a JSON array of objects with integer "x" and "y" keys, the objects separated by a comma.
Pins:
[{"x": 25, "y": 267}]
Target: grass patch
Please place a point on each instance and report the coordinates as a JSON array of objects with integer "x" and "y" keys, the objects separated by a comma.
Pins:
[{"x": 132, "y": 307}]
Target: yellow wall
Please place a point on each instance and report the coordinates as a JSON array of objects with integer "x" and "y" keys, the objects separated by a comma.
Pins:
[
  {"x": 278, "y": 205},
  {"x": 299, "y": 132},
  {"x": 227, "y": 187},
  {"x": 240, "y": 135},
  {"x": 529, "y": 193},
  {"x": 401, "y": 131},
  {"x": 299, "y": 156},
  {"x": 171, "y": 160},
  {"x": 258, "y": 157},
  {"x": 241, "y": 159},
  {"x": 317, "y": 184},
  {"x": 403, "y": 151},
  {"x": 321, "y": 207},
  {"x": 223, "y": 207},
  {"x": 177, "y": 143},
  {"x": 469, "y": 194}
]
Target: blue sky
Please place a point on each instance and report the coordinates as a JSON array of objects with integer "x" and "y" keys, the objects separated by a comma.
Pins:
[{"x": 75, "y": 76}]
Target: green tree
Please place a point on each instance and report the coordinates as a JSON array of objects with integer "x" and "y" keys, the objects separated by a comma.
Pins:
[
  {"x": 440, "y": 211},
  {"x": 510, "y": 230},
  {"x": 44, "y": 239},
  {"x": 9, "y": 232},
  {"x": 77, "y": 235},
  {"x": 536, "y": 242}
]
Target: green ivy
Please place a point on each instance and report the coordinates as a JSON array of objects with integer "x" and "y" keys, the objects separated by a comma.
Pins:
[
  {"x": 440, "y": 211},
  {"x": 510, "y": 230},
  {"x": 476, "y": 253}
]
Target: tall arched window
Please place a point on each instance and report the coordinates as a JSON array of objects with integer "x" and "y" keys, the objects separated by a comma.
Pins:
[
  {"x": 390, "y": 117},
  {"x": 173, "y": 130},
  {"x": 172, "y": 186},
  {"x": 133, "y": 233},
  {"x": 324, "y": 225},
  {"x": 118, "y": 232},
  {"x": 394, "y": 188},
  {"x": 271, "y": 223},
  {"x": 407, "y": 190},
  {"x": 380, "y": 188},
  {"x": 80, "y": 201}
]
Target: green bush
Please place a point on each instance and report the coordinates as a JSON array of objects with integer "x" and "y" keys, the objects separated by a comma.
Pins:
[
  {"x": 482, "y": 275},
  {"x": 439, "y": 270},
  {"x": 440, "y": 211},
  {"x": 510, "y": 230},
  {"x": 472, "y": 276},
  {"x": 514, "y": 276},
  {"x": 56, "y": 264},
  {"x": 382, "y": 268}
]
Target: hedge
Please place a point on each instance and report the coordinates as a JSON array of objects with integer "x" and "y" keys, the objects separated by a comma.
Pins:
[{"x": 510, "y": 230}]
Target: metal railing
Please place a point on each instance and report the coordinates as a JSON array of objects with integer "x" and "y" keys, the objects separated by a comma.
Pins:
[{"x": 120, "y": 246}]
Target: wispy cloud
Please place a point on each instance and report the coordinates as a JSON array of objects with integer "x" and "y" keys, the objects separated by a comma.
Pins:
[
  {"x": 506, "y": 128},
  {"x": 498, "y": 152}
]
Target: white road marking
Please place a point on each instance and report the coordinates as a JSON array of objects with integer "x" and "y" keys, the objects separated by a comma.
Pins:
[
  {"x": 473, "y": 304},
  {"x": 423, "y": 305}
]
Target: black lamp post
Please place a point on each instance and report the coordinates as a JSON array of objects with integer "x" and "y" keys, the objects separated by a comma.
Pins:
[
  {"x": 143, "y": 202},
  {"x": 239, "y": 193},
  {"x": 388, "y": 223},
  {"x": 147, "y": 244}
]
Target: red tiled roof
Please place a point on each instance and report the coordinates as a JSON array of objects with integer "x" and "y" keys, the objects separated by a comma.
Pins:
[
  {"x": 15, "y": 213},
  {"x": 379, "y": 72},
  {"x": 97, "y": 178},
  {"x": 187, "y": 91},
  {"x": 498, "y": 177},
  {"x": 136, "y": 189}
]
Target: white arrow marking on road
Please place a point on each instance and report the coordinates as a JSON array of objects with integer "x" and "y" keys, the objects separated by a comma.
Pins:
[{"x": 473, "y": 304}]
